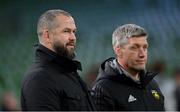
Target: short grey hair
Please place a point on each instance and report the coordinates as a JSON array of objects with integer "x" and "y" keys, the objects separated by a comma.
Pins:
[
  {"x": 122, "y": 33},
  {"x": 48, "y": 20}
]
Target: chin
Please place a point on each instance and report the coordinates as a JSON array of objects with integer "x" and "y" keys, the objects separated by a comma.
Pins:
[
  {"x": 140, "y": 68},
  {"x": 71, "y": 50},
  {"x": 71, "y": 55}
]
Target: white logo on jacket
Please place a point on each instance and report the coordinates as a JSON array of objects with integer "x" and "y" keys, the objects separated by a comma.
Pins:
[{"x": 131, "y": 98}]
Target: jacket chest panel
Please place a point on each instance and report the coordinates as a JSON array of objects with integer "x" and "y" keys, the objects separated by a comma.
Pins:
[
  {"x": 137, "y": 99},
  {"x": 73, "y": 97},
  {"x": 130, "y": 98}
]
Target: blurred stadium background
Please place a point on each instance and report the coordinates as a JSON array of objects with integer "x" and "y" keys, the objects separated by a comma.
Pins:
[{"x": 96, "y": 20}]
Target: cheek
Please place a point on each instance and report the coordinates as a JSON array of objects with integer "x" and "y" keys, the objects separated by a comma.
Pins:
[
  {"x": 127, "y": 57},
  {"x": 62, "y": 39},
  {"x": 58, "y": 41},
  {"x": 60, "y": 36},
  {"x": 130, "y": 55}
]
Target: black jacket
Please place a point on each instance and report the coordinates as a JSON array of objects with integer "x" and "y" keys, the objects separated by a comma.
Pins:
[
  {"x": 114, "y": 90},
  {"x": 52, "y": 83}
]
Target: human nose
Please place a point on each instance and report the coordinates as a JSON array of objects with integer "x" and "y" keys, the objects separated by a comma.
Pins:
[
  {"x": 73, "y": 36},
  {"x": 142, "y": 52}
]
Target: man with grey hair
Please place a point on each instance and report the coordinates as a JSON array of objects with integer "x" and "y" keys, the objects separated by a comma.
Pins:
[
  {"x": 52, "y": 81},
  {"x": 123, "y": 82}
]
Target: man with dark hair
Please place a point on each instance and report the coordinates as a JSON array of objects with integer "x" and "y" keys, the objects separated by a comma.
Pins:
[
  {"x": 123, "y": 82},
  {"x": 52, "y": 81}
]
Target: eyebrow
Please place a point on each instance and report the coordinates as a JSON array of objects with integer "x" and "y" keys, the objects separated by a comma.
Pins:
[
  {"x": 70, "y": 29},
  {"x": 135, "y": 44}
]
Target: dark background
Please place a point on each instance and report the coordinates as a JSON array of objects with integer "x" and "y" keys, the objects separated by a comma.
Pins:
[{"x": 95, "y": 20}]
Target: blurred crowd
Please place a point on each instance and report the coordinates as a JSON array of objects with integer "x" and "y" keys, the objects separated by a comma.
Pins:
[
  {"x": 169, "y": 84},
  {"x": 9, "y": 102}
]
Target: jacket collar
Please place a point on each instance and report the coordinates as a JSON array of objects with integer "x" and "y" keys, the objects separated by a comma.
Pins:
[
  {"x": 45, "y": 54},
  {"x": 112, "y": 71}
]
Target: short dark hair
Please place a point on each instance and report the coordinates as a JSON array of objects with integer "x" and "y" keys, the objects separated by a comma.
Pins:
[{"x": 47, "y": 20}]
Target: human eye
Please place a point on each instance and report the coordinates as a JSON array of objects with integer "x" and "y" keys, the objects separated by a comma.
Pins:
[
  {"x": 134, "y": 47},
  {"x": 145, "y": 47},
  {"x": 66, "y": 30},
  {"x": 74, "y": 31}
]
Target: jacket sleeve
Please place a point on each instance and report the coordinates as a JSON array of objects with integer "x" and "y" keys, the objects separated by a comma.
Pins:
[
  {"x": 102, "y": 99},
  {"x": 40, "y": 93},
  {"x": 155, "y": 84}
]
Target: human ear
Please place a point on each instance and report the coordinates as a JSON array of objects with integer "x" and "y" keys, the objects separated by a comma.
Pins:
[
  {"x": 119, "y": 51},
  {"x": 46, "y": 36}
]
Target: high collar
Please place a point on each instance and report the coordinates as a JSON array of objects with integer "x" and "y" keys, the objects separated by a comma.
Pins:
[
  {"x": 109, "y": 70},
  {"x": 44, "y": 54}
]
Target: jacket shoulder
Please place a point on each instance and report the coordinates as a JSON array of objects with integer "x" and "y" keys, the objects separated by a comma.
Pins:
[
  {"x": 36, "y": 77},
  {"x": 101, "y": 93},
  {"x": 103, "y": 86},
  {"x": 154, "y": 84}
]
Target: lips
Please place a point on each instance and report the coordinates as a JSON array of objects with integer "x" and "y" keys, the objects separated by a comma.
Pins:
[
  {"x": 71, "y": 44},
  {"x": 141, "y": 61}
]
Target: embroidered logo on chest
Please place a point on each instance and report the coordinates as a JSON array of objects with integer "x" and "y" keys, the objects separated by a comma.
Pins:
[{"x": 155, "y": 94}]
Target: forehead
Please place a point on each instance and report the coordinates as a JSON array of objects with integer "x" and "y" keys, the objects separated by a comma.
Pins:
[
  {"x": 65, "y": 21},
  {"x": 138, "y": 40}
]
